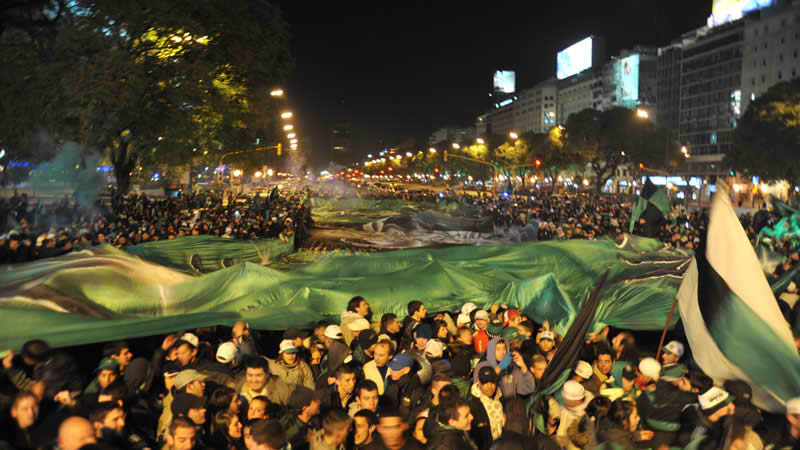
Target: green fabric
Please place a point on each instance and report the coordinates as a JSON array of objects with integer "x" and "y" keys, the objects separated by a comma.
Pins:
[
  {"x": 638, "y": 209},
  {"x": 211, "y": 250},
  {"x": 662, "y": 425},
  {"x": 113, "y": 295},
  {"x": 359, "y": 212}
]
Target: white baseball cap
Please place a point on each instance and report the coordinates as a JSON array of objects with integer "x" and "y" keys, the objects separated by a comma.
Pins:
[
  {"x": 712, "y": 398},
  {"x": 584, "y": 369},
  {"x": 674, "y": 347},
  {"x": 481, "y": 314},
  {"x": 462, "y": 319},
  {"x": 434, "y": 349},
  {"x": 572, "y": 390},
  {"x": 227, "y": 352},
  {"x": 192, "y": 339},
  {"x": 287, "y": 346},
  {"x": 359, "y": 324},
  {"x": 547, "y": 334},
  {"x": 650, "y": 367},
  {"x": 468, "y": 307},
  {"x": 333, "y": 332},
  {"x": 793, "y": 406}
]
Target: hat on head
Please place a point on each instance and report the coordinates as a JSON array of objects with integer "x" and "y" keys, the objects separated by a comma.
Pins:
[
  {"x": 287, "y": 346},
  {"x": 301, "y": 397},
  {"x": 187, "y": 376},
  {"x": 401, "y": 361},
  {"x": 674, "y": 372},
  {"x": 547, "y": 334},
  {"x": 367, "y": 339},
  {"x": 481, "y": 314},
  {"x": 333, "y": 332},
  {"x": 423, "y": 331},
  {"x": 572, "y": 390},
  {"x": 512, "y": 334},
  {"x": 183, "y": 402},
  {"x": 584, "y": 369},
  {"x": 192, "y": 339},
  {"x": 468, "y": 307},
  {"x": 227, "y": 352},
  {"x": 674, "y": 347},
  {"x": 793, "y": 406},
  {"x": 294, "y": 333},
  {"x": 462, "y": 319},
  {"x": 650, "y": 367},
  {"x": 487, "y": 375},
  {"x": 359, "y": 324},
  {"x": 170, "y": 369},
  {"x": 434, "y": 349},
  {"x": 108, "y": 363},
  {"x": 713, "y": 397}
]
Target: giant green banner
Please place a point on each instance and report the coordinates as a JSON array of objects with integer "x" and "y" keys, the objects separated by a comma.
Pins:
[{"x": 105, "y": 294}]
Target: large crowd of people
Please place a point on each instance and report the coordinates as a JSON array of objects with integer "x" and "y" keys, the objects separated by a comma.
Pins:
[
  {"x": 40, "y": 231},
  {"x": 465, "y": 380}
]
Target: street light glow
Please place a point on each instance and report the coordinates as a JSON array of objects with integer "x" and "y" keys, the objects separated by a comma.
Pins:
[
  {"x": 258, "y": 174},
  {"x": 276, "y": 93},
  {"x": 286, "y": 115},
  {"x": 513, "y": 135},
  {"x": 456, "y": 146},
  {"x": 642, "y": 113},
  {"x": 432, "y": 150},
  {"x": 291, "y": 135},
  {"x": 293, "y": 146},
  {"x": 237, "y": 172},
  {"x": 409, "y": 154},
  {"x": 293, "y": 141},
  {"x": 288, "y": 127},
  {"x": 480, "y": 141},
  {"x": 270, "y": 172}
]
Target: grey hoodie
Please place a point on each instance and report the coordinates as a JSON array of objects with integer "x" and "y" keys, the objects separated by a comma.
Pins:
[{"x": 513, "y": 381}]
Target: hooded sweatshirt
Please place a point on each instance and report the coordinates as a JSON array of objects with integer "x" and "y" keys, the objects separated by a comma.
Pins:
[{"x": 513, "y": 381}]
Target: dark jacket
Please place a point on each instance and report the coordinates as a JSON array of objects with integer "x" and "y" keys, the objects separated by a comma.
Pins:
[
  {"x": 661, "y": 411},
  {"x": 449, "y": 438}
]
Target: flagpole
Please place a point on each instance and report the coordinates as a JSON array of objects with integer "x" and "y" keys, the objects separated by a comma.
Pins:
[{"x": 666, "y": 326}]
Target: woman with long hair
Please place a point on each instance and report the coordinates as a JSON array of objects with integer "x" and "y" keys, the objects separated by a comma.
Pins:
[
  {"x": 226, "y": 431},
  {"x": 224, "y": 398},
  {"x": 621, "y": 426}
]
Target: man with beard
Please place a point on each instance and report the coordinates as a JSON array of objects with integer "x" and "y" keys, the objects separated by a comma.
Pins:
[{"x": 108, "y": 421}]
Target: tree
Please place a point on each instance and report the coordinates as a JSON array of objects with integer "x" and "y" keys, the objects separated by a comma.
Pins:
[
  {"x": 768, "y": 136},
  {"x": 606, "y": 140}
]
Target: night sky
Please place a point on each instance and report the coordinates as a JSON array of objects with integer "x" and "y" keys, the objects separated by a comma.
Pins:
[{"x": 403, "y": 69}]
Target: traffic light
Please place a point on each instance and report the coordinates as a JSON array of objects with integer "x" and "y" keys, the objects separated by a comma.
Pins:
[
  {"x": 445, "y": 156},
  {"x": 538, "y": 163},
  {"x": 732, "y": 173},
  {"x": 279, "y": 148}
]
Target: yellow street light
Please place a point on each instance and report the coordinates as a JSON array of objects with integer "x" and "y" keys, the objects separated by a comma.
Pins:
[
  {"x": 456, "y": 146},
  {"x": 432, "y": 150},
  {"x": 642, "y": 113},
  {"x": 399, "y": 157},
  {"x": 291, "y": 135},
  {"x": 286, "y": 115},
  {"x": 480, "y": 141},
  {"x": 409, "y": 154},
  {"x": 237, "y": 172},
  {"x": 513, "y": 135},
  {"x": 293, "y": 146},
  {"x": 288, "y": 127},
  {"x": 293, "y": 141},
  {"x": 258, "y": 174},
  {"x": 270, "y": 172},
  {"x": 276, "y": 93}
]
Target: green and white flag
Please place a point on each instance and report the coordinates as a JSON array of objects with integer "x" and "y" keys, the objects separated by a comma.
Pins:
[
  {"x": 652, "y": 206},
  {"x": 733, "y": 323}
]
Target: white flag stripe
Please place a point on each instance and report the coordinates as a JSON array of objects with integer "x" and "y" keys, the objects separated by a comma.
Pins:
[
  {"x": 732, "y": 256},
  {"x": 705, "y": 351}
]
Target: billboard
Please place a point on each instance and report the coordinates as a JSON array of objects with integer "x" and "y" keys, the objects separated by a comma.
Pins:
[
  {"x": 724, "y": 11},
  {"x": 628, "y": 79},
  {"x": 574, "y": 59},
  {"x": 505, "y": 81}
]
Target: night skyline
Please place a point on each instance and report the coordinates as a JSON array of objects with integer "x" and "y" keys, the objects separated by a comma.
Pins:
[{"x": 400, "y": 71}]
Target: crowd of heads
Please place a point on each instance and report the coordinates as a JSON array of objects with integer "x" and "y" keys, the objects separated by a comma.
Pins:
[{"x": 476, "y": 378}]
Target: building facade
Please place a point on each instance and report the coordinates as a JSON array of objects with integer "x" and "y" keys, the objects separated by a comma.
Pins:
[
  {"x": 583, "y": 91},
  {"x": 536, "y": 108},
  {"x": 771, "y": 50}
]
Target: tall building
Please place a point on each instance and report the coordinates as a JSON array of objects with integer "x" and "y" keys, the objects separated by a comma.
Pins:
[
  {"x": 582, "y": 91},
  {"x": 629, "y": 80},
  {"x": 341, "y": 139},
  {"x": 500, "y": 120},
  {"x": 452, "y": 134},
  {"x": 669, "y": 86},
  {"x": 771, "y": 50},
  {"x": 536, "y": 108}
]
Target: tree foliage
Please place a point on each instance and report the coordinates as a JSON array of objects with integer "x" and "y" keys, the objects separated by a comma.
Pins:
[
  {"x": 149, "y": 81},
  {"x": 768, "y": 136},
  {"x": 606, "y": 140}
]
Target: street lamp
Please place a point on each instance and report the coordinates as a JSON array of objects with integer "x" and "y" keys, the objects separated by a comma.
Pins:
[
  {"x": 369, "y": 155},
  {"x": 641, "y": 113},
  {"x": 286, "y": 115},
  {"x": 480, "y": 141},
  {"x": 258, "y": 174},
  {"x": 513, "y": 135},
  {"x": 293, "y": 141},
  {"x": 409, "y": 154},
  {"x": 276, "y": 93},
  {"x": 456, "y": 146},
  {"x": 291, "y": 135},
  {"x": 237, "y": 172},
  {"x": 288, "y": 127},
  {"x": 432, "y": 150},
  {"x": 270, "y": 172},
  {"x": 293, "y": 146}
]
